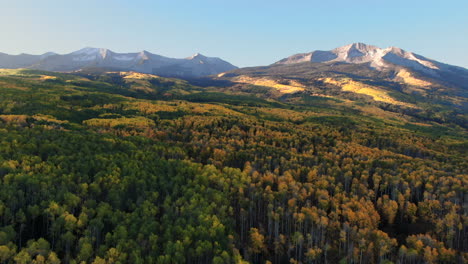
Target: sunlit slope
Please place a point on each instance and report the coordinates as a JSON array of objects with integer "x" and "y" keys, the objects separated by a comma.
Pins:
[
  {"x": 402, "y": 91},
  {"x": 377, "y": 93},
  {"x": 75, "y": 98}
]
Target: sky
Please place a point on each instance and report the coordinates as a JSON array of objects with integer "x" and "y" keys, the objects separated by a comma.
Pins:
[{"x": 243, "y": 32}]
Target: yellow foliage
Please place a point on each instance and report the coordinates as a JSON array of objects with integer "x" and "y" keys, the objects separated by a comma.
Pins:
[
  {"x": 375, "y": 92},
  {"x": 174, "y": 106},
  {"x": 9, "y": 71},
  {"x": 130, "y": 122},
  {"x": 313, "y": 253},
  {"x": 137, "y": 75},
  {"x": 48, "y": 118},
  {"x": 22, "y": 120},
  {"x": 139, "y": 81},
  {"x": 407, "y": 78},
  {"x": 198, "y": 108},
  {"x": 20, "y": 72},
  {"x": 151, "y": 108},
  {"x": 47, "y": 77},
  {"x": 293, "y": 86},
  {"x": 285, "y": 113},
  {"x": 257, "y": 241},
  {"x": 14, "y": 119}
]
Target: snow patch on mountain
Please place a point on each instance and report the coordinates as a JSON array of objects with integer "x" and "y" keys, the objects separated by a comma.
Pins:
[
  {"x": 124, "y": 57},
  {"x": 85, "y": 58},
  {"x": 87, "y": 51}
]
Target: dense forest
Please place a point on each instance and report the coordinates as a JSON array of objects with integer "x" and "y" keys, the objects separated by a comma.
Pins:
[{"x": 113, "y": 169}]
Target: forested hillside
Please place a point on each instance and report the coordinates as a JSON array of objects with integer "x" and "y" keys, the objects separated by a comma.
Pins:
[{"x": 134, "y": 168}]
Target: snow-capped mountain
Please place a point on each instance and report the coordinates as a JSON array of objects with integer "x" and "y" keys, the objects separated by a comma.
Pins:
[
  {"x": 377, "y": 58},
  {"x": 144, "y": 61},
  {"x": 390, "y": 75}
]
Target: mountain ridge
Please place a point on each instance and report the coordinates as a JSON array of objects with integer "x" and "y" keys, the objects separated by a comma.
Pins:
[
  {"x": 378, "y": 58},
  {"x": 363, "y": 74},
  {"x": 145, "y": 62}
]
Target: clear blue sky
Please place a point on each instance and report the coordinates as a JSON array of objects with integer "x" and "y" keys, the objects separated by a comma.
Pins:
[{"x": 244, "y": 32}]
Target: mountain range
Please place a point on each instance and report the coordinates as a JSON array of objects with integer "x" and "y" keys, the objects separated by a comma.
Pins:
[
  {"x": 390, "y": 59},
  {"x": 378, "y": 58},
  {"x": 361, "y": 73},
  {"x": 144, "y": 62},
  {"x": 385, "y": 75}
]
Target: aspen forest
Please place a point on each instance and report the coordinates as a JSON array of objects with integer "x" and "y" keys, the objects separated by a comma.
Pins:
[{"x": 105, "y": 169}]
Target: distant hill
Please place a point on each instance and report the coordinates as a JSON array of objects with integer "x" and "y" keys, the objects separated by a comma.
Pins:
[{"x": 144, "y": 62}]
